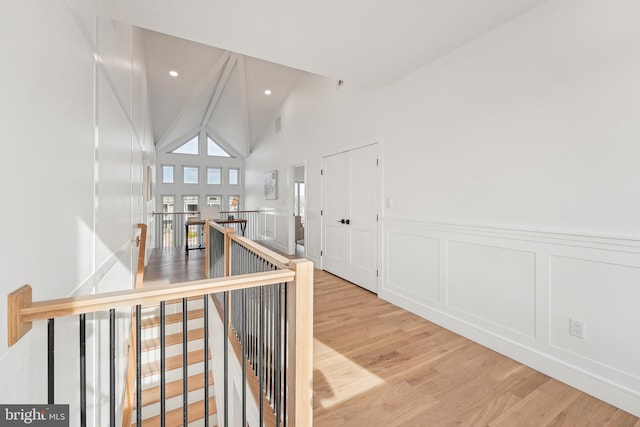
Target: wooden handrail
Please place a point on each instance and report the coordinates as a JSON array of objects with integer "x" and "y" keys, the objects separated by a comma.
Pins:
[
  {"x": 271, "y": 256},
  {"x": 141, "y": 242},
  {"x": 267, "y": 254},
  {"x": 22, "y": 311}
]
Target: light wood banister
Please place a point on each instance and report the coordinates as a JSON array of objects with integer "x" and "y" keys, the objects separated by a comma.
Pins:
[
  {"x": 22, "y": 311},
  {"x": 267, "y": 254},
  {"x": 300, "y": 378},
  {"x": 141, "y": 242}
]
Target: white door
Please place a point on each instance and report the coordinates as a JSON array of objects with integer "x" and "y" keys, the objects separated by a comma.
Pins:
[{"x": 350, "y": 216}]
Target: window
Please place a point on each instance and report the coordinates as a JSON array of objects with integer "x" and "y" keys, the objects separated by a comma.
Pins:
[
  {"x": 213, "y": 149},
  {"x": 234, "y": 176},
  {"x": 191, "y": 204},
  {"x": 189, "y": 147},
  {"x": 190, "y": 174},
  {"x": 168, "y": 225},
  {"x": 168, "y": 204},
  {"x": 234, "y": 203},
  {"x": 167, "y": 174},
  {"x": 215, "y": 201},
  {"x": 214, "y": 176}
]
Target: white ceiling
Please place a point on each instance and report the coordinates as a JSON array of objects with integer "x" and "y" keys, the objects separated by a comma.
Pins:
[
  {"x": 366, "y": 43},
  {"x": 216, "y": 91}
]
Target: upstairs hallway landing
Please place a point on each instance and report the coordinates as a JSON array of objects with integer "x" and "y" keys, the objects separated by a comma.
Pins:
[{"x": 376, "y": 364}]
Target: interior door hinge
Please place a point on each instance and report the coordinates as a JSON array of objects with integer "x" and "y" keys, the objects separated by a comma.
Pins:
[
  {"x": 321, "y": 171},
  {"x": 377, "y": 218},
  {"x": 320, "y": 253},
  {"x": 376, "y": 273},
  {"x": 377, "y": 162},
  {"x": 321, "y": 213}
]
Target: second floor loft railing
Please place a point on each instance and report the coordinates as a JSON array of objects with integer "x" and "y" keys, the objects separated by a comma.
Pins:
[
  {"x": 274, "y": 354},
  {"x": 281, "y": 355},
  {"x": 170, "y": 231}
]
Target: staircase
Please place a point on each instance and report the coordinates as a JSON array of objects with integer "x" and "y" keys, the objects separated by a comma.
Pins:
[{"x": 150, "y": 337}]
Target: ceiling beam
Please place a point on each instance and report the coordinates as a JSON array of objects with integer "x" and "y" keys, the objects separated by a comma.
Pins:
[
  {"x": 242, "y": 76},
  {"x": 222, "y": 83},
  {"x": 204, "y": 84}
]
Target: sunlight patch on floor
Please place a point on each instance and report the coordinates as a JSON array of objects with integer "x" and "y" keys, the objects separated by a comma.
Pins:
[{"x": 337, "y": 378}]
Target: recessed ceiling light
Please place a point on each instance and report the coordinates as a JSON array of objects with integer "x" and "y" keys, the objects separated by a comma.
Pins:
[
  {"x": 267, "y": 92},
  {"x": 173, "y": 73}
]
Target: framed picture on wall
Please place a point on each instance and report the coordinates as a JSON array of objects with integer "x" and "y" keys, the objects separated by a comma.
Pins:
[{"x": 271, "y": 185}]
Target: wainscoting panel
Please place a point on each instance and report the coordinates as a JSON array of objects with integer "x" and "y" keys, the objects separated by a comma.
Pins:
[
  {"x": 273, "y": 229},
  {"x": 494, "y": 284},
  {"x": 605, "y": 298},
  {"x": 413, "y": 265},
  {"x": 515, "y": 291}
]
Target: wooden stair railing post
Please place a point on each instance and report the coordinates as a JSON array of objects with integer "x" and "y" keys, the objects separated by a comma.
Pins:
[
  {"x": 228, "y": 234},
  {"x": 207, "y": 250},
  {"x": 300, "y": 369},
  {"x": 141, "y": 242}
]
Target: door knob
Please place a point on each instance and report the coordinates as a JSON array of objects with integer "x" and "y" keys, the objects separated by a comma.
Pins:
[
  {"x": 347, "y": 221},
  {"x": 341, "y": 221}
]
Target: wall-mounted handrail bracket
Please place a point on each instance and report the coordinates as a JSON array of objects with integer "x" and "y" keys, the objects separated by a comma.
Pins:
[{"x": 16, "y": 300}]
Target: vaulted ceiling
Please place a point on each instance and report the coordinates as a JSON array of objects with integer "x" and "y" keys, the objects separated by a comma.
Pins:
[
  {"x": 229, "y": 52},
  {"x": 216, "y": 92}
]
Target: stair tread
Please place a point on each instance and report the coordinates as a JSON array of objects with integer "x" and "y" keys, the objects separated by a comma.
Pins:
[
  {"x": 174, "y": 418},
  {"x": 151, "y": 395},
  {"x": 172, "y": 318},
  {"x": 173, "y": 362},
  {"x": 172, "y": 339}
]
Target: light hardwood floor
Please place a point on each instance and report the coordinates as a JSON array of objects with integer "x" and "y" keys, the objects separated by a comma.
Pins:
[{"x": 378, "y": 365}]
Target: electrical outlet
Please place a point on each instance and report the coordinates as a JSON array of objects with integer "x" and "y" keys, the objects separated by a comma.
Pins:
[{"x": 576, "y": 328}]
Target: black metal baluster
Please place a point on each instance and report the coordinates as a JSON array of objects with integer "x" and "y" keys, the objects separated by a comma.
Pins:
[
  {"x": 226, "y": 356},
  {"x": 285, "y": 354},
  {"x": 50, "y": 362},
  {"x": 163, "y": 367},
  {"x": 269, "y": 346},
  {"x": 185, "y": 388},
  {"x": 138, "y": 366},
  {"x": 278, "y": 356},
  {"x": 261, "y": 356},
  {"x": 83, "y": 371},
  {"x": 243, "y": 328},
  {"x": 206, "y": 360},
  {"x": 112, "y": 367}
]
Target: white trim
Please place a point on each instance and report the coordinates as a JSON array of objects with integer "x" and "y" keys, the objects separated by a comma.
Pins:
[
  {"x": 549, "y": 235},
  {"x": 541, "y": 341},
  {"x": 90, "y": 283}
]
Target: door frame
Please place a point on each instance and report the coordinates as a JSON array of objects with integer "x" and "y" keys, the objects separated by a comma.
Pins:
[
  {"x": 291, "y": 179},
  {"x": 379, "y": 140}
]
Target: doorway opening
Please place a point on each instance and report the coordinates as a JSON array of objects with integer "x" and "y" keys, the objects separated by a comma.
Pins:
[{"x": 297, "y": 233}]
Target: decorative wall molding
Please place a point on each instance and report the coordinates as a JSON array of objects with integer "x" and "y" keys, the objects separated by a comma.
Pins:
[
  {"x": 273, "y": 229},
  {"x": 90, "y": 284},
  {"x": 516, "y": 290}
]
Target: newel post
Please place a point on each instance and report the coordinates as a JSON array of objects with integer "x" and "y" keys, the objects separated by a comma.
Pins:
[{"x": 300, "y": 378}]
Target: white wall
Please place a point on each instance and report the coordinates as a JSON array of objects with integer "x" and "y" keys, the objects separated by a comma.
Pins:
[
  {"x": 76, "y": 139},
  {"x": 317, "y": 120},
  {"x": 510, "y": 176}
]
